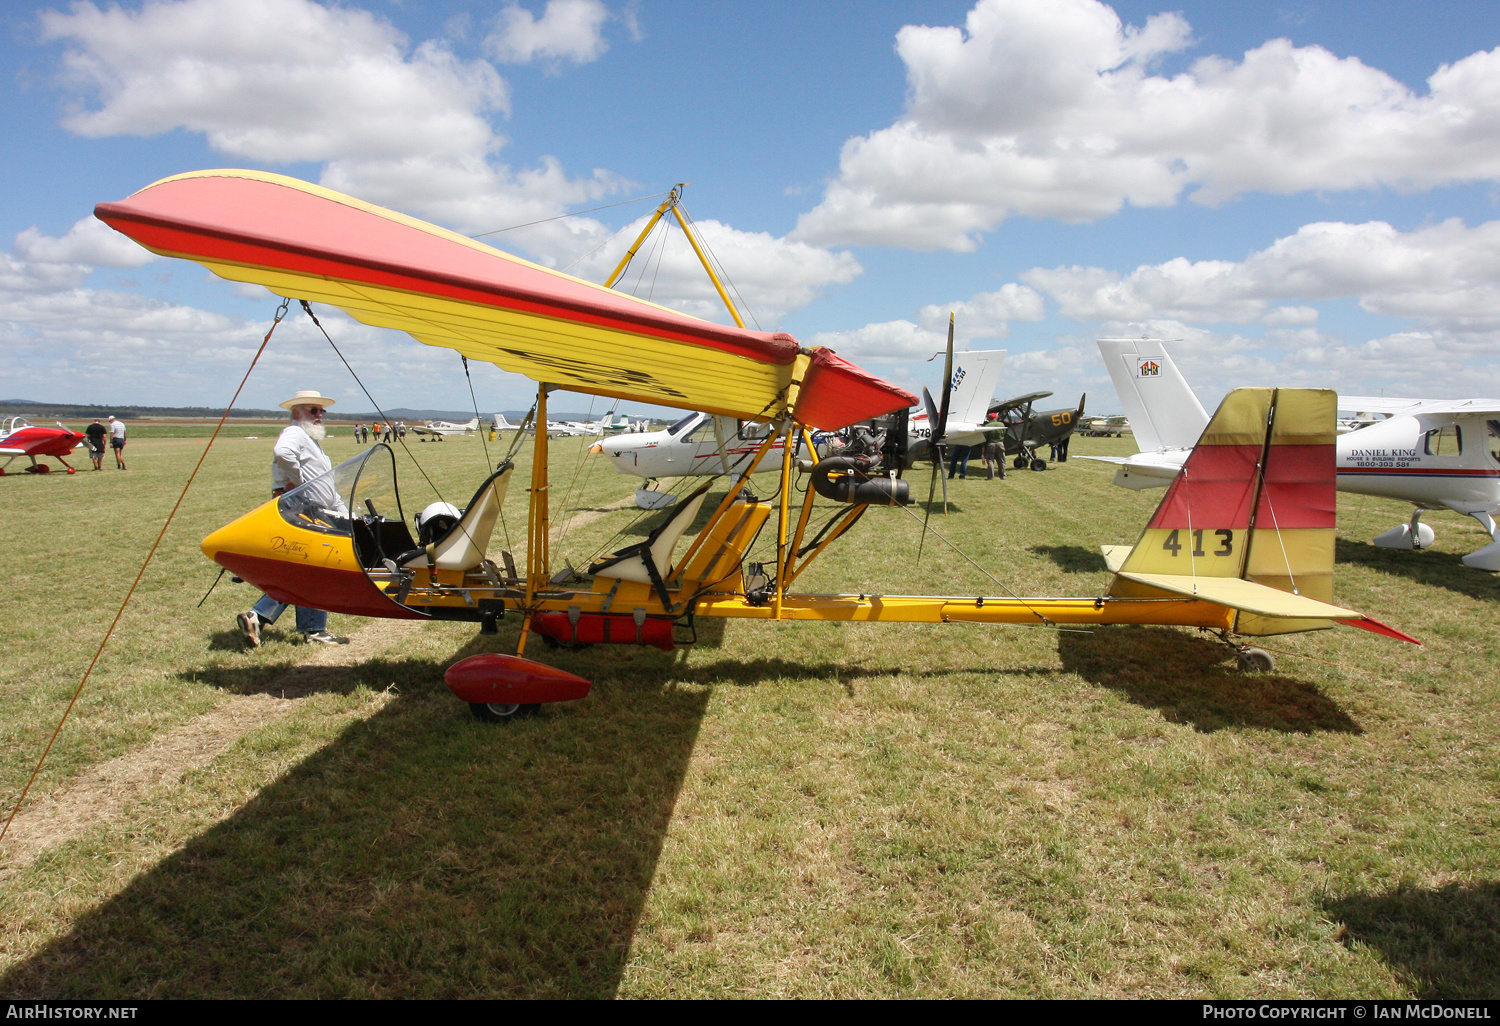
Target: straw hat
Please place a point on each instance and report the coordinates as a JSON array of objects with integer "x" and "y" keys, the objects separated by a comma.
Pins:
[{"x": 307, "y": 397}]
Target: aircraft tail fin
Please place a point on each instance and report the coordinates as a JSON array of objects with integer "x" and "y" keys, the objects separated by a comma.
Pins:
[
  {"x": 1249, "y": 521},
  {"x": 1162, "y": 409},
  {"x": 978, "y": 374}
]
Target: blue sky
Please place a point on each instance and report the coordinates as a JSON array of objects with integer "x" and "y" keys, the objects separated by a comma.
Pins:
[{"x": 1304, "y": 194}]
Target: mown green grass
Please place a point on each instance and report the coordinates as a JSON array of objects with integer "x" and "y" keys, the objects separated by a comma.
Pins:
[{"x": 783, "y": 810}]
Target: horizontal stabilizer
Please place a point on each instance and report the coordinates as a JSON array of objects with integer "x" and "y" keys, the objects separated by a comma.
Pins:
[
  {"x": 1246, "y": 596},
  {"x": 1114, "y": 556}
]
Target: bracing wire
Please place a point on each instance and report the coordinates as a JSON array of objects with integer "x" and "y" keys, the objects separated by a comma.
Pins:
[
  {"x": 307, "y": 307},
  {"x": 575, "y": 213},
  {"x": 109, "y": 633},
  {"x": 483, "y": 441},
  {"x": 976, "y": 566},
  {"x": 713, "y": 258}
]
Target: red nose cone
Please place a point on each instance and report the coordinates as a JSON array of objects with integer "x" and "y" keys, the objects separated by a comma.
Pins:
[{"x": 494, "y": 679}]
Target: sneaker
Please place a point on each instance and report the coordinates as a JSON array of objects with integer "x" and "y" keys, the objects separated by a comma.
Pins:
[
  {"x": 250, "y": 626},
  {"x": 324, "y": 638}
]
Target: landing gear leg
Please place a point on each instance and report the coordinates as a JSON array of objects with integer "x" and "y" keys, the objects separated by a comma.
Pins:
[{"x": 1416, "y": 536}]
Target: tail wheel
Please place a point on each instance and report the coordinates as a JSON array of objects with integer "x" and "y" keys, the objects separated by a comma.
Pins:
[
  {"x": 494, "y": 713},
  {"x": 1255, "y": 660}
]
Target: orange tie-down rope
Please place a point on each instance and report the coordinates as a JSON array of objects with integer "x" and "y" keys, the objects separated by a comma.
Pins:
[{"x": 280, "y": 313}]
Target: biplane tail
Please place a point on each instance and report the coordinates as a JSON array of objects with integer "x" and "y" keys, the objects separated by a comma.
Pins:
[{"x": 1249, "y": 522}]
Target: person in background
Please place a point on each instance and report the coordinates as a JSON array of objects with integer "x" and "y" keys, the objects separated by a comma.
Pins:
[
  {"x": 297, "y": 459},
  {"x": 96, "y": 432},
  {"x": 117, "y": 441},
  {"x": 960, "y": 462}
]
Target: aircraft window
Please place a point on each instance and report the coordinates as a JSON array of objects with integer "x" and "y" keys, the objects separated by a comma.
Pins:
[
  {"x": 1444, "y": 441},
  {"x": 684, "y": 422},
  {"x": 1494, "y": 426},
  {"x": 702, "y": 432}
]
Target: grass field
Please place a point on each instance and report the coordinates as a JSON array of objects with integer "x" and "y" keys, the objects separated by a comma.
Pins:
[{"x": 806, "y": 810}]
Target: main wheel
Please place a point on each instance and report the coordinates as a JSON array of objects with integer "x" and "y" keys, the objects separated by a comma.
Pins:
[
  {"x": 494, "y": 713},
  {"x": 1255, "y": 660},
  {"x": 1038, "y": 464},
  {"x": 1021, "y": 462}
]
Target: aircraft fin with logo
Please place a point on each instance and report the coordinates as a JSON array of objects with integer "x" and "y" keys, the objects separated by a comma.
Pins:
[
  {"x": 978, "y": 375},
  {"x": 1161, "y": 407}
]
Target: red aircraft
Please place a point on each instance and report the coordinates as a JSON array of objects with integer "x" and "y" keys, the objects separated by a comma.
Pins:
[{"x": 19, "y": 438}]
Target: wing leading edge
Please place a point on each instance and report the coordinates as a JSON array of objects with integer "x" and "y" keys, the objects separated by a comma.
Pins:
[{"x": 390, "y": 270}]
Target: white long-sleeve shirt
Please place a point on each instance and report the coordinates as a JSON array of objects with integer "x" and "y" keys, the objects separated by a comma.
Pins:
[{"x": 296, "y": 459}]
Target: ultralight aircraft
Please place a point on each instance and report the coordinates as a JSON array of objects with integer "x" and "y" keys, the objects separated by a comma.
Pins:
[{"x": 1241, "y": 545}]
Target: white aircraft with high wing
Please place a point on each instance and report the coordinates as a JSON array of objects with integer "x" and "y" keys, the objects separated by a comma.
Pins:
[
  {"x": 572, "y": 428},
  {"x": 437, "y": 429},
  {"x": 703, "y": 444},
  {"x": 1433, "y": 453}
]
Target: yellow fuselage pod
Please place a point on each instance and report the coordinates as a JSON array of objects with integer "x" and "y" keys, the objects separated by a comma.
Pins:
[{"x": 313, "y": 565}]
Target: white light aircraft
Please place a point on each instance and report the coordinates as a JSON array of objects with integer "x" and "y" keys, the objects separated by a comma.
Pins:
[
  {"x": 572, "y": 428},
  {"x": 437, "y": 429},
  {"x": 1433, "y": 453}
]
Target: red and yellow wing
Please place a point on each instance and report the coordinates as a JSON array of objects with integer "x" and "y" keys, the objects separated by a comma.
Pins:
[{"x": 393, "y": 271}]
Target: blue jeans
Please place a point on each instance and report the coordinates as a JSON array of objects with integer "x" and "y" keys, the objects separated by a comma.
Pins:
[
  {"x": 960, "y": 461},
  {"x": 308, "y": 620}
]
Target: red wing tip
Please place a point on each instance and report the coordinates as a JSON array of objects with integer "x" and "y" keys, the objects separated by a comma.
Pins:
[{"x": 1374, "y": 626}]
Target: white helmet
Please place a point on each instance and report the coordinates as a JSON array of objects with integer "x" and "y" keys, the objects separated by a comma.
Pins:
[{"x": 435, "y": 521}]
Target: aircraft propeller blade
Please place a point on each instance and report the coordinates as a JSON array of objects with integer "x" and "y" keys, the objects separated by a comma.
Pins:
[
  {"x": 940, "y": 427},
  {"x": 937, "y": 475},
  {"x": 932, "y": 414}
]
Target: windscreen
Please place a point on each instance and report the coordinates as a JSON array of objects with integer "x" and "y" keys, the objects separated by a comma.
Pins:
[{"x": 323, "y": 504}]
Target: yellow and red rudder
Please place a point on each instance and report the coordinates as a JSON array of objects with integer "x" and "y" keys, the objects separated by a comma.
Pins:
[{"x": 1249, "y": 523}]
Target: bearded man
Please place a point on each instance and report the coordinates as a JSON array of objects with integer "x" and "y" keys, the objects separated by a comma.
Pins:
[{"x": 298, "y": 459}]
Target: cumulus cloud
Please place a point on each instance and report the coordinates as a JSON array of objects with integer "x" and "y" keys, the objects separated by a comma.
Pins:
[
  {"x": 1048, "y": 108},
  {"x": 985, "y": 315},
  {"x": 770, "y": 276},
  {"x": 282, "y": 81},
  {"x": 1446, "y": 274},
  {"x": 886, "y": 342},
  {"x": 568, "y": 30}
]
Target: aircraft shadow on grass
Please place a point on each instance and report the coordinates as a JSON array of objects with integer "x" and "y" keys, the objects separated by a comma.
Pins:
[
  {"x": 1445, "y": 940},
  {"x": 1194, "y": 681},
  {"x": 1073, "y": 559},
  {"x": 1437, "y": 569},
  {"x": 419, "y": 854}
]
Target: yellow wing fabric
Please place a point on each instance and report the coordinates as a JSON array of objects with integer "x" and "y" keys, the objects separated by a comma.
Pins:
[{"x": 393, "y": 271}]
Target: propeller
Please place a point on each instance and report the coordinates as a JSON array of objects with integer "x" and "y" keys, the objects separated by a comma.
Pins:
[{"x": 937, "y": 417}]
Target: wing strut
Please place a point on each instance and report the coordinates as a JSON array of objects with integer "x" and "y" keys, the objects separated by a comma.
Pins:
[{"x": 672, "y": 203}]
